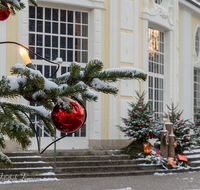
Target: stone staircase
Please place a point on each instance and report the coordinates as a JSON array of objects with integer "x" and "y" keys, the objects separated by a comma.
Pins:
[{"x": 85, "y": 163}]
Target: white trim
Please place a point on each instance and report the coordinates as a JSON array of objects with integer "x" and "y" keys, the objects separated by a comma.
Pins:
[{"x": 113, "y": 63}]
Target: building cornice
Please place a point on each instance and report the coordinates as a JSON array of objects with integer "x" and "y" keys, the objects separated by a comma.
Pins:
[{"x": 187, "y": 6}]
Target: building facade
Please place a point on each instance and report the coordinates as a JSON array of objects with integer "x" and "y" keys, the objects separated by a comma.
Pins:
[{"x": 161, "y": 37}]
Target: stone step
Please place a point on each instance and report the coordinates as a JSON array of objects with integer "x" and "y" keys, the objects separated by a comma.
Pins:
[
  {"x": 75, "y": 163},
  {"x": 69, "y": 158},
  {"x": 20, "y": 153},
  {"x": 97, "y": 169}
]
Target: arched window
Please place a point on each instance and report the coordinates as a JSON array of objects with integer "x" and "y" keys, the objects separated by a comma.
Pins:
[{"x": 197, "y": 44}]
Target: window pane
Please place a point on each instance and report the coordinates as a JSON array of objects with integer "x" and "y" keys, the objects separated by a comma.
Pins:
[
  {"x": 77, "y": 56},
  {"x": 85, "y": 31},
  {"x": 39, "y": 52},
  {"x": 47, "y": 41},
  {"x": 39, "y": 26},
  {"x": 53, "y": 69},
  {"x": 47, "y": 27},
  {"x": 63, "y": 42},
  {"x": 39, "y": 68},
  {"x": 31, "y": 12},
  {"x": 69, "y": 56},
  {"x": 62, "y": 28},
  {"x": 46, "y": 71},
  {"x": 54, "y": 54},
  {"x": 55, "y": 28},
  {"x": 70, "y": 43},
  {"x": 84, "y": 44},
  {"x": 78, "y": 43},
  {"x": 63, "y": 15},
  {"x": 31, "y": 55},
  {"x": 84, "y": 57},
  {"x": 55, "y": 41},
  {"x": 47, "y": 13},
  {"x": 70, "y": 29},
  {"x": 55, "y": 14},
  {"x": 63, "y": 70},
  {"x": 70, "y": 16},
  {"x": 63, "y": 54},
  {"x": 31, "y": 39},
  {"x": 32, "y": 25},
  {"x": 39, "y": 40},
  {"x": 77, "y": 30},
  {"x": 48, "y": 53},
  {"x": 39, "y": 12},
  {"x": 85, "y": 18},
  {"x": 77, "y": 17}
]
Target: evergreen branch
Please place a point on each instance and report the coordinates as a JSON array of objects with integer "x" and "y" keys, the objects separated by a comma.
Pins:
[{"x": 74, "y": 70}]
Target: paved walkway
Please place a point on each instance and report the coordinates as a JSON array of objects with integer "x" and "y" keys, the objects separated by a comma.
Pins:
[{"x": 185, "y": 181}]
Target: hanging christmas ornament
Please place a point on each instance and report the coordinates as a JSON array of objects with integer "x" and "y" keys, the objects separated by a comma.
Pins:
[
  {"x": 198, "y": 123},
  {"x": 148, "y": 120},
  {"x": 185, "y": 139},
  {"x": 178, "y": 118},
  {"x": 139, "y": 124},
  {"x": 4, "y": 14},
  {"x": 125, "y": 122},
  {"x": 139, "y": 102},
  {"x": 147, "y": 135},
  {"x": 151, "y": 136},
  {"x": 133, "y": 109},
  {"x": 131, "y": 115},
  {"x": 179, "y": 125},
  {"x": 142, "y": 98},
  {"x": 187, "y": 132},
  {"x": 131, "y": 134},
  {"x": 68, "y": 122},
  {"x": 141, "y": 109}
]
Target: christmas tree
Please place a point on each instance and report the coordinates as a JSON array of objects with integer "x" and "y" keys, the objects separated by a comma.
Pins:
[
  {"x": 139, "y": 125},
  {"x": 184, "y": 130},
  {"x": 34, "y": 87}
]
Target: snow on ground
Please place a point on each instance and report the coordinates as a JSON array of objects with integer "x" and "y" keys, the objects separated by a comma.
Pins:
[
  {"x": 35, "y": 156},
  {"x": 162, "y": 174},
  {"x": 48, "y": 173},
  {"x": 193, "y": 156},
  {"x": 128, "y": 188},
  {"x": 32, "y": 168},
  {"x": 27, "y": 162},
  {"x": 197, "y": 161},
  {"x": 28, "y": 180}
]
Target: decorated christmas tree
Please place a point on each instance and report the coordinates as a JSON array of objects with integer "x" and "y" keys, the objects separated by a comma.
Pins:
[
  {"x": 139, "y": 125},
  {"x": 184, "y": 130}
]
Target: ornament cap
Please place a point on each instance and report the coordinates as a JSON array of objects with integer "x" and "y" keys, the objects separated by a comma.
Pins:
[{"x": 168, "y": 119}]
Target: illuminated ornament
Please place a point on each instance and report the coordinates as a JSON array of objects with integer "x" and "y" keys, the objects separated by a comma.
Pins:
[
  {"x": 139, "y": 102},
  {"x": 179, "y": 125},
  {"x": 178, "y": 118},
  {"x": 131, "y": 115},
  {"x": 141, "y": 109},
  {"x": 4, "y": 14},
  {"x": 148, "y": 120},
  {"x": 68, "y": 122},
  {"x": 147, "y": 135},
  {"x": 139, "y": 124}
]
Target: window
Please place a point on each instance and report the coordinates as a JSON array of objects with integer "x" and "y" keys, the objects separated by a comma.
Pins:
[
  {"x": 196, "y": 88},
  {"x": 158, "y": 1},
  {"x": 58, "y": 33},
  {"x": 156, "y": 71},
  {"x": 197, "y": 44}
]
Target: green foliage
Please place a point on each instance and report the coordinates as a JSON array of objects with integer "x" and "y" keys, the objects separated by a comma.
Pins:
[{"x": 140, "y": 123}]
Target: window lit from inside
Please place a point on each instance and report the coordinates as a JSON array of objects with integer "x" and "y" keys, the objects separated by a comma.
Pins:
[{"x": 156, "y": 71}]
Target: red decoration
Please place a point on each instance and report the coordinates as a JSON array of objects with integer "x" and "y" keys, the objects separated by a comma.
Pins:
[
  {"x": 133, "y": 109},
  {"x": 198, "y": 123},
  {"x": 68, "y": 122},
  {"x": 187, "y": 132},
  {"x": 173, "y": 111},
  {"x": 125, "y": 122},
  {"x": 139, "y": 102},
  {"x": 178, "y": 118},
  {"x": 185, "y": 139},
  {"x": 196, "y": 117},
  {"x": 181, "y": 157},
  {"x": 141, "y": 109},
  {"x": 147, "y": 135},
  {"x": 131, "y": 134},
  {"x": 139, "y": 124},
  {"x": 142, "y": 98},
  {"x": 179, "y": 125},
  {"x": 148, "y": 120},
  {"x": 131, "y": 115},
  {"x": 151, "y": 137},
  {"x": 4, "y": 14}
]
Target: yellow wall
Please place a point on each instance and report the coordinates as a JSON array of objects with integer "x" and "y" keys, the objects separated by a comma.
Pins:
[{"x": 11, "y": 49}]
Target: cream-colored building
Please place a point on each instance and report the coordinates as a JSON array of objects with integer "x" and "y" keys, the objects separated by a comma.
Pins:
[{"x": 162, "y": 37}]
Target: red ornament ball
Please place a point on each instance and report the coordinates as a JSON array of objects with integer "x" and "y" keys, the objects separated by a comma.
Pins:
[
  {"x": 131, "y": 115},
  {"x": 147, "y": 135},
  {"x": 198, "y": 123},
  {"x": 178, "y": 118},
  {"x": 139, "y": 102},
  {"x": 4, "y": 14},
  {"x": 142, "y": 98},
  {"x": 187, "y": 132},
  {"x": 125, "y": 122},
  {"x": 131, "y": 134},
  {"x": 148, "y": 120},
  {"x": 152, "y": 136},
  {"x": 68, "y": 122},
  {"x": 133, "y": 109},
  {"x": 179, "y": 125},
  {"x": 185, "y": 138},
  {"x": 141, "y": 109},
  {"x": 139, "y": 124}
]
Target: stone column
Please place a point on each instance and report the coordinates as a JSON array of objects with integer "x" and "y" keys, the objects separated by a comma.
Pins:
[
  {"x": 171, "y": 144},
  {"x": 163, "y": 149}
]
